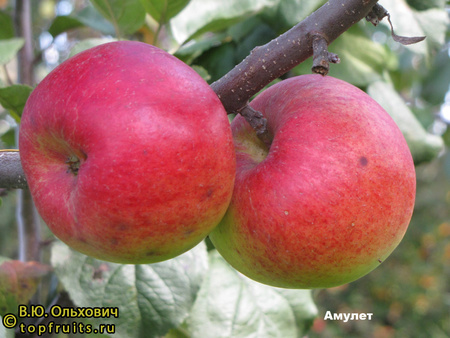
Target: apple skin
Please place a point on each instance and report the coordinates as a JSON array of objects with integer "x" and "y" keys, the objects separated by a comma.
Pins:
[
  {"x": 331, "y": 198},
  {"x": 128, "y": 153}
]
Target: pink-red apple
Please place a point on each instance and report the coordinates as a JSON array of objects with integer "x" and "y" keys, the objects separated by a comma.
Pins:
[
  {"x": 329, "y": 199},
  {"x": 128, "y": 153}
]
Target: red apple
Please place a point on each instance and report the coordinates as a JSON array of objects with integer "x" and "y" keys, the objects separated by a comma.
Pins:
[
  {"x": 331, "y": 197},
  {"x": 128, "y": 153}
]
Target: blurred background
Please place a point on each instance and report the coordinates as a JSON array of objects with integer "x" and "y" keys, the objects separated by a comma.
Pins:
[{"x": 409, "y": 294}]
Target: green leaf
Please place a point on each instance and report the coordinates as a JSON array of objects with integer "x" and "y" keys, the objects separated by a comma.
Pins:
[
  {"x": 259, "y": 35},
  {"x": 63, "y": 23},
  {"x": 189, "y": 52},
  {"x": 434, "y": 23},
  {"x": 9, "y": 138},
  {"x": 422, "y": 5},
  {"x": 218, "y": 61},
  {"x": 424, "y": 146},
  {"x": 436, "y": 83},
  {"x": 202, "y": 72},
  {"x": 13, "y": 98},
  {"x": 6, "y": 26},
  {"x": 88, "y": 17},
  {"x": 9, "y": 49},
  {"x": 126, "y": 15},
  {"x": 294, "y": 11},
  {"x": 152, "y": 298},
  {"x": 231, "y": 305},
  {"x": 163, "y": 10},
  {"x": 211, "y": 15}
]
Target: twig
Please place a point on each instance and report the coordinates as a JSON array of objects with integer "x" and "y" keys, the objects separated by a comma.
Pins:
[{"x": 321, "y": 56}]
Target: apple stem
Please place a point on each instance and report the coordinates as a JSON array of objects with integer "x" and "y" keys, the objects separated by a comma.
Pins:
[
  {"x": 321, "y": 56},
  {"x": 258, "y": 122}
]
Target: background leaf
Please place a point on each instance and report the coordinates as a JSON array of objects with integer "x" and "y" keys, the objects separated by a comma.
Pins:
[
  {"x": 163, "y": 10},
  {"x": 9, "y": 49},
  {"x": 127, "y": 15},
  {"x": 213, "y": 15},
  {"x": 63, "y": 23},
  {"x": 152, "y": 298},
  {"x": 423, "y": 146},
  {"x": 293, "y": 11},
  {"x": 232, "y": 305},
  {"x": 88, "y": 17},
  {"x": 7, "y": 26},
  {"x": 13, "y": 98},
  {"x": 424, "y": 5}
]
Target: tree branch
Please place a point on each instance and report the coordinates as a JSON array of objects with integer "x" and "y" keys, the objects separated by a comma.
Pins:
[
  {"x": 24, "y": 29},
  {"x": 268, "y": 62},
  {"x": 27, "y": 217},
  {"x": 11, "y": 172},
  {"x": 262, "y": 66}
]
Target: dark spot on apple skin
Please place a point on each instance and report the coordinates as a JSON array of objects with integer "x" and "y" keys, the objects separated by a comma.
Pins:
[
  {"x": 122, "y": 227},
  {"x": 151, "y": 253},
  {"x": 188, "y": 232},
  {"x": 363, "y": 161},
  {"x": 81, "y": 238},
  {"x": 208, "y": 194},
  {"x": 114, "y": 241}
]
